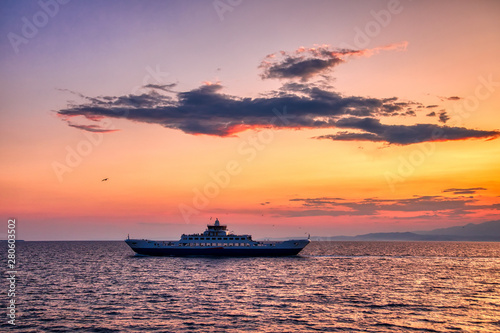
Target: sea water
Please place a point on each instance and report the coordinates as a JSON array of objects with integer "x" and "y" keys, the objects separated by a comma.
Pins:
[{"x": 329, "y": 287}]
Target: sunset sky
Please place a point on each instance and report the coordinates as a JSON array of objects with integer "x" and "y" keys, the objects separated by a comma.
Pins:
[{"x": 281, "y": 118}]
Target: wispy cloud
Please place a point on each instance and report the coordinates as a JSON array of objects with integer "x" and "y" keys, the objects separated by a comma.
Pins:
[
  {"x": 470, "y": 190},
  {"x": 325, "y": 206},
  {"x": 92, "y": 128},
  {"x": 305, "y": 63}
]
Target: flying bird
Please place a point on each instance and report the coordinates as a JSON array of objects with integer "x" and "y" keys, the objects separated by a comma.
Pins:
[{"x": 105, "y": 179}]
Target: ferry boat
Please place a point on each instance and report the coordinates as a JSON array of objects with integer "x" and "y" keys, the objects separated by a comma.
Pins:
[{"x": 217, "y": 241}]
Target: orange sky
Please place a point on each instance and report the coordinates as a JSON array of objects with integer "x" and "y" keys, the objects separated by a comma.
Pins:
[{"x": 276, "y": 178}]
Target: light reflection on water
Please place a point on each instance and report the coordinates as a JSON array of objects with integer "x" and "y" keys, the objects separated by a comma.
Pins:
[{"x": 331, "y": 286}]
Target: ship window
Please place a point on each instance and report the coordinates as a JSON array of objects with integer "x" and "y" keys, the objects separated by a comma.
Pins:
[
  {"x": 213, "y": 238},
  {"x": 231, "y": 238},
  {"x": 190, "y": 238},
  {"x": 196, "y": 238},
  {"x": 219, "y": 238}
]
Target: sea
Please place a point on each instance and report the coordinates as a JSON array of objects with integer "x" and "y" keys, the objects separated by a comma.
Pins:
[{"x": 328, "y": 287}]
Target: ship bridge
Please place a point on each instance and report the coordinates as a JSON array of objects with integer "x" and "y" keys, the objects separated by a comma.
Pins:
[{"x": 216, "y": 229}]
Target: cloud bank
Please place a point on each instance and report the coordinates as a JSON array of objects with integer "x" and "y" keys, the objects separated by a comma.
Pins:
[
  {"x": 372, "y": 130},
  {"x": 207, "y": 110}
]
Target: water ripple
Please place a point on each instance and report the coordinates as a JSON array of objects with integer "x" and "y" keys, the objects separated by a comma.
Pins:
[{"x": 331, "y": 287}]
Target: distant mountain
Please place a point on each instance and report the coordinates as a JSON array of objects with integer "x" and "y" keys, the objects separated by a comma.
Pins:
[
  {"x": 491, "y": 228},
  {"x": 487, "y": 231}
]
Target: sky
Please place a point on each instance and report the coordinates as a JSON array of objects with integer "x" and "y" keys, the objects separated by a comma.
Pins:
[{"x": 280, "y": 118}]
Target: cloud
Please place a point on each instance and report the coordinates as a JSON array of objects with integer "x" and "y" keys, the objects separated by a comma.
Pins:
[
  {"x": 93, "y": 128},
  {"x": 325, "y": 206},
  {"x": 375, "y": 131},
  {"x": 451, "y": 98},
  {"x": 206, "y": 110},
  {"x": 443, "y": 116},
  {"x": 431, "y": 114},
  {"x": 296, "y": 105},
  {"x": 297, "y": 67},
  {"x": 305, "y": 63},
  {"x": 164, "y": 87},
  {"x": 470, "y": 190}
]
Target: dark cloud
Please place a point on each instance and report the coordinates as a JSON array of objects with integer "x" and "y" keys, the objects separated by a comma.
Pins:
[
  {"x": 306, "y": 63},
  {"x": 317, "y": 202},
  {"x": 454, "y": 98},
  {"x": 375, "y": 131},
  {"x": 164, "y": 87},
  {"x": 92, "y": 128},
  {"x": 431, "y": 106},
  {"x": 431, "y": 114},
  {"x": 470, "y": 190},
  {"x": 451, "y": 98},
  {"x": 299, "y": 68},
  {"x": 206, "y": 110},
  {"x": 296, "y": 105},
  {"x": 443, "y": 117}
]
